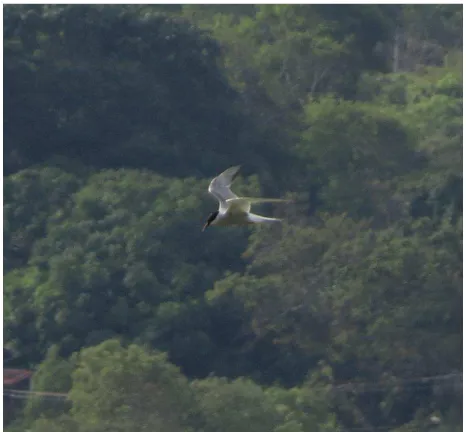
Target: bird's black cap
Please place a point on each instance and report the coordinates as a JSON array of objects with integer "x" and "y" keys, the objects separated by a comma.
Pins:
[{"x": 210, "y": 219}]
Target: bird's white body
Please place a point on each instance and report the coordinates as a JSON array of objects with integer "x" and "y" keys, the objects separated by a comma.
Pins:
[
  {"x": 234, "y": 210},
  {"x": 237, "y": 213}
]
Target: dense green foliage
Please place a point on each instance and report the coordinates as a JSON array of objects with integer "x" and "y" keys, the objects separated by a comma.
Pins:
[{"x": 346, "y": 317}]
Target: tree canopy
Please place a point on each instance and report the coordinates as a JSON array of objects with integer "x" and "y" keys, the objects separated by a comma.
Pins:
[{"x": 345, "y": 317}]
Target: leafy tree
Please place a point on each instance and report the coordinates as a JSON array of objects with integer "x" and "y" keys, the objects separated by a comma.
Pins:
[
  {"x": 52, "y": 375},
  {"x": 116, "y": 388},
  {"x": 116, "y": 94},
  {"x": 424, "y": 35},
  {"x": 355, "y": 152},
  {"x": 243, "y": 405},
  {"x": 62, "y": 424},
  {"x": 346, "y": 316},
  {"x": 123, "y": 260},
  {"x": 239, "y": 405},
  {"x": 30, "y": 198},
  {"x": 350, "y": 295},
  {"x": 100, "y": 256},
  {"x": 430, "y": 105},
  {"x": 20, "y": 316},
  {"x": 368, "y": 26}
]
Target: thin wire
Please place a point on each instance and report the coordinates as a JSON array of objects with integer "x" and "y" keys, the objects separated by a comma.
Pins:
[
  {"x": 26, "y": 394},
  {"x": 359, "y": 387},
  {"x": 418, "y": 382},
  {"x": 381, "y": 428}
]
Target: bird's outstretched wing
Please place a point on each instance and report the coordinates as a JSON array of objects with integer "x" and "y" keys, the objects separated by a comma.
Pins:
[
  {"x": 220, "y": 186},
  {"x": 262, "y": 219},
  {"x": 244, "y": 203}
]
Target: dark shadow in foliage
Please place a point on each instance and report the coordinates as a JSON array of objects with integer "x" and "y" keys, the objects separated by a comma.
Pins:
[{"x": 114, "y": 86}]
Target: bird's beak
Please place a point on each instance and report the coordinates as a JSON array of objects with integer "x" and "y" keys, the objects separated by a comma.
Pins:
[{"x": 205, "y": 227}]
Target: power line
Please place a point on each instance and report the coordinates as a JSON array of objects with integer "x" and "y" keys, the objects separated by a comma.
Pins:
[
  {"x": 357, "y": 387},
  {"x": 27, "y": 394},
  {"x": 381, "y": 428},
  {"x": 416, "y": 382}
]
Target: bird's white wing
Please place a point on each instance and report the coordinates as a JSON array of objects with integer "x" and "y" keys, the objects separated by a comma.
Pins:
[
  {"x": 244, "y": 203},
  {"x": 261, "y": 219},
  {"x": 220, "y": 186}
]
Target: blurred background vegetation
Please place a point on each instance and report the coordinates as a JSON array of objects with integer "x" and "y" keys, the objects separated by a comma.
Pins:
[{"x": 346, "y": 318}]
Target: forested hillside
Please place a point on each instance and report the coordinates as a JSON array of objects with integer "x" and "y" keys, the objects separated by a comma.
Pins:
[{"x": 347, "y": 317}]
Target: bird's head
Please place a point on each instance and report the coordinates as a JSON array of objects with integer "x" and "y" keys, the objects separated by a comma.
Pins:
[{"x": 210, "y": 219}]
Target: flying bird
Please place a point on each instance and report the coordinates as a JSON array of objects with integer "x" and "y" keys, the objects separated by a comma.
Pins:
[{"x": 234, "y": 210}]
